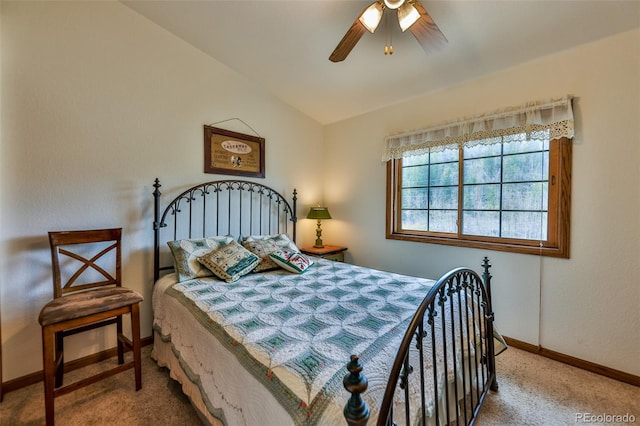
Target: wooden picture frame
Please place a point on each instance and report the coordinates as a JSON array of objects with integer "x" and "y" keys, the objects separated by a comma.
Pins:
[{"x": 232, "y": 153}]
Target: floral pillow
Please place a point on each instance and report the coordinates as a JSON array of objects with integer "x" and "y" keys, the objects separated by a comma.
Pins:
[
  {"x": 292, "y": 261},
  {"x": 186, "y": 252},
  {"x": 230, "y": 262},
  {"x": 262, "y": 249}
]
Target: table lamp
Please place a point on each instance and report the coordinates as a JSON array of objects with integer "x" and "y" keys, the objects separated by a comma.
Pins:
[{"x": 318, "y": 213}]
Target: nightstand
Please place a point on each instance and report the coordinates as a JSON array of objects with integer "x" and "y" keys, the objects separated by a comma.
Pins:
[{"x": 327, "y": 252}]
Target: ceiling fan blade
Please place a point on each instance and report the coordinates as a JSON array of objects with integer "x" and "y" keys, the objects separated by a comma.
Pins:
[
  {"x": 348, "y": 42},
  {"x": 426, "y": 31}
]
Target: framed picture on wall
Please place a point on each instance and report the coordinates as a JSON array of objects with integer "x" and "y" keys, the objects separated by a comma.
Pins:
[{"x": 232, "y": 153}]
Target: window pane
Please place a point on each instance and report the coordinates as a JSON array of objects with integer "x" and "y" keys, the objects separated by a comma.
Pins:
[
  {"x": 525, "y": 196},
  {"x": 415, "y": 198},
  {"x": 451, "y": 153},
  {"x": 443, "y": 198},
  {"x": 481, "y": 223},
  {"x": 492, "y": 148},
  {"x": 415, "y": 160},
  {"x": 444, "y": 174},
  {"x": 481, "y": 197},
  {"x": 443, "y": 221},
  {"x": 416, "y": 220},
  {"x": 483, "y": 170},
  {"x": 518, "y": 147},
  {"x": 524, "y": 167},
  {"x": 527, "y": 225},
  {"x": 415, "y": 176}
]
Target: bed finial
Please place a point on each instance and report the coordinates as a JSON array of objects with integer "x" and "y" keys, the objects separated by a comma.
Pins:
[
  {"x": 356, "y": 412},
  {"x": 486, "y": 265}
]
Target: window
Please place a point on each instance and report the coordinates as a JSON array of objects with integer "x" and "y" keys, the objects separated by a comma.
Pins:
[{"x": 508, "y": 192}]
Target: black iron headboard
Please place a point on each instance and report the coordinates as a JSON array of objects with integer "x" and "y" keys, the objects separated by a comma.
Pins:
[{"x": 224, "y": 207}]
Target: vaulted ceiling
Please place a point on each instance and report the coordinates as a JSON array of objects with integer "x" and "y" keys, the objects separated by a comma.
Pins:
[{"x": 284, "y": 46}]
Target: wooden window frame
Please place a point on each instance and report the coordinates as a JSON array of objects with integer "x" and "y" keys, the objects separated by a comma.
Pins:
[{"x": 558, "y": 233}]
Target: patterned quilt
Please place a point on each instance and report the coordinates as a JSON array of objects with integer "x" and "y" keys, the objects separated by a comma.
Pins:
[{"x": 295, "y": 333}]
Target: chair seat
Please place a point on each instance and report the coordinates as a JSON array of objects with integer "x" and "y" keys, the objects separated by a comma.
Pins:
[{"x": 86, "y": 303}]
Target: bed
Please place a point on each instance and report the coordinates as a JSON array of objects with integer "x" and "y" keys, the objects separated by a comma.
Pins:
[{"x": 257, "y": 333}]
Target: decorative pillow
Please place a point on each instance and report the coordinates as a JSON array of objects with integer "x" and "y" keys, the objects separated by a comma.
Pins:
[
  {"x": 262, "y": 249},
  {"x": 281, "y": 240},
  {"x": 230, "y": 262},
  {"x": 291, "y": 260},
  {"x": 186, "y": 252}
]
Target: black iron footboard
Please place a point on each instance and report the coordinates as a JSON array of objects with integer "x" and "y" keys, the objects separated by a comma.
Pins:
[{"x": 445, "y": 365}]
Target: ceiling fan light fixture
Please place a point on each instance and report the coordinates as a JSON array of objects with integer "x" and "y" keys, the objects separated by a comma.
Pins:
[
  {"x": 371, "y": 17},
  {"x": 412, "y": 16},
  {"x": 407, "y": 16},
  {"x": 394, "y": 4}
]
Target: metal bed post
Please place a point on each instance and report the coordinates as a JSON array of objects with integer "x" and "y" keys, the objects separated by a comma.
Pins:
[
  {"x": 156, "y": 230},
  {"x": 491, "y": 357}
]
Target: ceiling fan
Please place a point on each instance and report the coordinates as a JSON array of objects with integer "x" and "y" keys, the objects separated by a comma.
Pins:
[{"x": 412, "y": 16}]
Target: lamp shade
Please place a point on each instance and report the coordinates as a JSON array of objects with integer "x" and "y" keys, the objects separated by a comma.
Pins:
[
  {"x": 318, "y": 213},
  {"x": 371, "y": 17},
  {"x": 407, "y": 16}
]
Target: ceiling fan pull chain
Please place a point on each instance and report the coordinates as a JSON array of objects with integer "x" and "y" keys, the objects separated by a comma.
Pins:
[
  {"x": 386, "y": 36},
  {"x": 388, "y": 43}
]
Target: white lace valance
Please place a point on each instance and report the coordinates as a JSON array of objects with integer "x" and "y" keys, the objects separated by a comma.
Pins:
[{"x": 536, "y": 120}]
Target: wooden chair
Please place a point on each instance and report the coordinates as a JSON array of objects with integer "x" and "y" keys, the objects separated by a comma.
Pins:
[{"x": 87, "y": 293}]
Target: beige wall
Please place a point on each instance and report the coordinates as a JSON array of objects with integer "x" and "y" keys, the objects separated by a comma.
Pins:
[
  {"x": 590, "y": 302},
  {"x": 96, "y": 102}
]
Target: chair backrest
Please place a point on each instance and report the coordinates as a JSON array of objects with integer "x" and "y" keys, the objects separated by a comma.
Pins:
[{"x": 83, "y": 260}]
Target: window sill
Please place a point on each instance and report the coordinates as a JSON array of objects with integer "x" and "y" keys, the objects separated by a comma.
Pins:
[{"x": 487, "y": 245}]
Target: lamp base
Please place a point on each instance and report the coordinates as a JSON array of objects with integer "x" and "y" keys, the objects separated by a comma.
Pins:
[{"x": 318, "y": 243}]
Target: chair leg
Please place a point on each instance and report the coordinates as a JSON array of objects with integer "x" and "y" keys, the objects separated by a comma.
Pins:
[
  {"x": 59, "y": 358},
  {"x": 49, "y": 372},
  {"x": 119, "y": 340},
  {"x": 135, "y": 334}
]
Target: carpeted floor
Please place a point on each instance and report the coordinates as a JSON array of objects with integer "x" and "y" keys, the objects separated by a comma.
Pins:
[
  {"x": 113, "y": 401},
  {"x": 533, "y": 391}
]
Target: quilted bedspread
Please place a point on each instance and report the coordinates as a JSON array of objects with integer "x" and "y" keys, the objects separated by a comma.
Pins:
[{"x": 295, "y": 333}]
